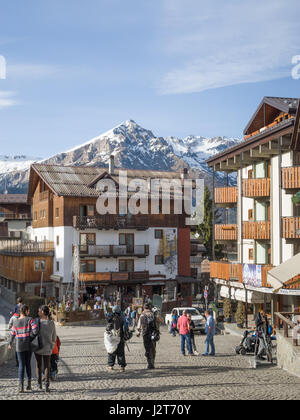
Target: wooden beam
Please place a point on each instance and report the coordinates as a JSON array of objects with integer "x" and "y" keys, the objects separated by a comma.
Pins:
[{"x": 254, "y": 153}]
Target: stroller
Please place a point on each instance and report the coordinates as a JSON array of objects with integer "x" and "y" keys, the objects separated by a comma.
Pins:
[{"x": 247, "y": 345}]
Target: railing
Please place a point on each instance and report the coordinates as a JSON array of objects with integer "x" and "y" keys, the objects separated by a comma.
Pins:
[
  {"x": 23, "y": 247},
  {"x": 114, "y": 250},
  {"x": 256, "y": 230},
  {"x": 226, "y": 232},
  {"x": 283, "y": 319},
  {"x": 234, "y": 271},
  {"x": 137, "y": 276},
  {"x": 291, "y": 177},
  {"x": 256, "y": 187},
  {"x": 110, "y": 222},
  {"x": 290, "y": 227},
  {"x": 16, "y": 216},
  {"x": 224, "y": 195}
]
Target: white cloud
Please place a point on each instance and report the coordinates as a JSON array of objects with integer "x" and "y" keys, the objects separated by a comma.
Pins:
[
  {"x": 225, "y": 43},
  {"x": 6, "y": 99}
]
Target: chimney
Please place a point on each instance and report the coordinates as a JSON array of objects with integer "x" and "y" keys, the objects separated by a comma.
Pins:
[
  {"x": 183, "y": 173},
  {"x": 111, "y": 169}
]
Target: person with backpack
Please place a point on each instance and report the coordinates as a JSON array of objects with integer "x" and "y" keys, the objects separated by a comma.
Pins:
[
  {"x": 115, "y": 337},
  {"x": 23, "y": 329},
  {"x": 47, "y": 333},
  {"x": 147, "y": 325},
  {"x": 54, "y": 359}
]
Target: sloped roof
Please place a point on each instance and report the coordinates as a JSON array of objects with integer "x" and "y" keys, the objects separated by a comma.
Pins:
[
  {"x": 80, "y": 181},
  {"x": 287, "y": 105},
  {"x": 13, "y": 198}
]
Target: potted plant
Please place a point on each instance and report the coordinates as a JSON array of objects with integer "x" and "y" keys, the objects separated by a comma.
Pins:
[
  {"x": 227, "y": 310},
  {"x": 240, "y": 315},
  {"x": 296, "y": 199}
]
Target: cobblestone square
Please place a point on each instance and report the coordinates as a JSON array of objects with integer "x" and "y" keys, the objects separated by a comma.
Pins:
[{"x": 83, "y": 372}]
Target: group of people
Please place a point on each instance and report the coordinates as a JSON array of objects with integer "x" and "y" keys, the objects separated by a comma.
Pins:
[
  {"x": 185, "y": 327},
  {"x": 148, "y": 326},
  {"x": 36, "y": 336}
]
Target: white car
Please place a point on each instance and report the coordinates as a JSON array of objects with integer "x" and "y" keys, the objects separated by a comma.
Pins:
[{"x": 198, "y": 319}]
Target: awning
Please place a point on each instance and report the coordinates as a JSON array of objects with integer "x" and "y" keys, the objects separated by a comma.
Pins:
[
  {"x": 240, "y": 295},
  {"x": 284, "y": 272},
  {"x": 55, "y": 278}
]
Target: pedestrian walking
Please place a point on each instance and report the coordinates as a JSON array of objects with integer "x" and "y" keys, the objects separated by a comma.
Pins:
[
  {"x": 133, "y": 318},
  {"x": 183, "y": 325},
  {"x": 210, "y": 333},
  {"x": 173, "y": 323},
  {"x": 192, "y": 335},
  {"x": 54, "y": 359},
  {"x": 24, "y": 329},
  {"x": 147, "y": 326},
  {"x": 116, "y": 330},
  {"x": 47, "y": 333}
]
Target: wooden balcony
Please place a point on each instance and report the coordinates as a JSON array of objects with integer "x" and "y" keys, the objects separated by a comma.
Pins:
[
  {"x": 234, "y": 272},
  {"x": 256, "y": 187},
  {"x": 291, "y": 177},
  {"x": 15, "y": 216},
  {"x": 226, "y": 232},
  {"x": 140, "y": 222},
  {"x": 21, "y": 247},
  {"x": 115, "y": 277},
  {"x": 290, "y": 227},
  {"x": 226, "y": 195},
  {"x": 256, "y": 230},
  {"x": 114, "y": 251}
]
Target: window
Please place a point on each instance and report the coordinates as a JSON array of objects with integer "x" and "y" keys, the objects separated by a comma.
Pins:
[
  {"x": 57, "y": 212},
  {"x": 35, "y": 215},
  {"x": 159, "y": 259},
  {"x": 250, "y": 215},
  {"x": 251, "y": 254},
  {"x": 90, "y": 210},
  {"x": 88, "y": 266},
  {"x": 250, "y": 174},
  {"x": 158, "y": 234},
  {"x": 128, "y": 240},
  {"x": 126, "y": 266},
  {"x": 57, "y": 240},
  {"x": 57, "y": 265},
  {"x": 39, "y": 265},
  {"x": 87, "y": 239}
]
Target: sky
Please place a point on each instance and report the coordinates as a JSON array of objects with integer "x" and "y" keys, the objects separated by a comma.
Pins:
[{"x": 75, "y": 69}]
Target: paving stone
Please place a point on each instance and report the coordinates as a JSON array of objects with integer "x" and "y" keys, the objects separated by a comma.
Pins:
[{"x": 83, "y": 372}]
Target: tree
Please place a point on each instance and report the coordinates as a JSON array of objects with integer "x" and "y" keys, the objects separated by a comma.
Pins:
[{"x": 205, "y": 229}]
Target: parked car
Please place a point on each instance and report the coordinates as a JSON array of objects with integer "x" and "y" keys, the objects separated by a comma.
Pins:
[{"x": 197, "y": 318}]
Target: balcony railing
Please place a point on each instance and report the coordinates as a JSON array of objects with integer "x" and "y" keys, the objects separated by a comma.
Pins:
[
  {"x": 26, "y": 247},
  {"x": 291, "y": 227},
  {"x": 111, "y": 222},
  {"x": 15, "y": 216},
  {"x": 226, "y": 232},
  {"x": 256, "y": 230},
  {"x": 136, "y": 277},
  {"x": 291, "y": 177},
  {"x": 256, "y": 187},
  {"x": 114, "y": 251},
  {"x": 226, "y": 195},
  {"x": 234, "y": 272}
]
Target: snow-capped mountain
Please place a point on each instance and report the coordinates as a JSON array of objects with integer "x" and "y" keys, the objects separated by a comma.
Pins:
[{"x": 134, "y": 147}]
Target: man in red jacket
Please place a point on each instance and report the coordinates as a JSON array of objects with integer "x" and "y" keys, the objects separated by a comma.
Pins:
[{"x": 183, "y": 325}]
